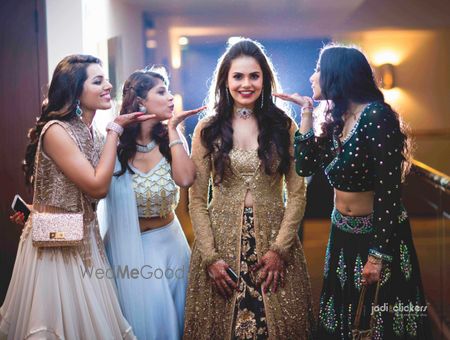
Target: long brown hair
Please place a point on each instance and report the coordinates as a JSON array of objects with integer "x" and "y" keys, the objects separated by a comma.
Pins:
[
  {"x": 273, "y": 123},
  {"x": 65, "y": 89}
]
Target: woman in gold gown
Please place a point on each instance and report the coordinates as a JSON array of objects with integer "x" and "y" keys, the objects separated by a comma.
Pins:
[{"x": 244, "y": 150}]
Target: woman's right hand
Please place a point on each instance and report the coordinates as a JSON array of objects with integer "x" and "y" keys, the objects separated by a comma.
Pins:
[
  {"x": 303, "y": 101},
  {"x": 220, "y": 278},
  {"x": 134, "y": 117}
]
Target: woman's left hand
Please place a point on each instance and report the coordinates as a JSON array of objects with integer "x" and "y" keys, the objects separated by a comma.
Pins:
[
  {"x": 271, "y": 271},
  {"x": 178, "y": 117},
  {"x": 371, "y": 273}
]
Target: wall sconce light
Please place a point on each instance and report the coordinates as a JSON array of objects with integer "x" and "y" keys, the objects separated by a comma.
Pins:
[{"x": 387, "y": 76}]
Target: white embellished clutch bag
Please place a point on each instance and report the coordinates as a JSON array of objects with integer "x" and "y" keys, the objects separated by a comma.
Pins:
[{"x": 56, "y": 229}]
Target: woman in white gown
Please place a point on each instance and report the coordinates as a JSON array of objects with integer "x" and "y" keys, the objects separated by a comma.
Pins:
[
  {"x": 59, "y": 293},
  {"x": 142, "y": 231}
]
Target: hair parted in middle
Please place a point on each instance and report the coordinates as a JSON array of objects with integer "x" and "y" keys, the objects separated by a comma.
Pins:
[{"x": 273, "y": 122}]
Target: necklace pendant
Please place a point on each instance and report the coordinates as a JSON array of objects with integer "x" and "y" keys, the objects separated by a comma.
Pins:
[{"x": 244, "y": 112}]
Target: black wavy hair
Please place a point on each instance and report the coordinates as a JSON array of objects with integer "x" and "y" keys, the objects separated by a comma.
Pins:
[{"x": 273, "y": 123}]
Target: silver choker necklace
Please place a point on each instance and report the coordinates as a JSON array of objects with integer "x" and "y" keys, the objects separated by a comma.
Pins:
[
  {"x": 146, "y": 148},
  {"x": 244, "y": 112}
]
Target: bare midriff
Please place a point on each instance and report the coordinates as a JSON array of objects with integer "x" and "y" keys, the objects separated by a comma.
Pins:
[
  {"x": 353, "y": 203},
  {"x": 148, "y": 223}
]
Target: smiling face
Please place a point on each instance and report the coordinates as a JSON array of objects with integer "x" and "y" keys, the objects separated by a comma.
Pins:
[
  {"x": 245, "y": 81},
  {"x": 159, "y": 101},
  {"x": 96, "y": 94},
  {"x": 315, "y": 84}
]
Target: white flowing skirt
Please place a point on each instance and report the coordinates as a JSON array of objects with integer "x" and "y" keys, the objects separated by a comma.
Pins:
[
  {"x": 167, "y": 255},
  {"x": 53, "y": 297}
]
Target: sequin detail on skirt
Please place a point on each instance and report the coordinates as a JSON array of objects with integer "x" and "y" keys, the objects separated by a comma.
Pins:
[
  {"x": 249, "y": 314},
  {"x": 400, "y": 294},
  {"x": 352, "y": 224}
]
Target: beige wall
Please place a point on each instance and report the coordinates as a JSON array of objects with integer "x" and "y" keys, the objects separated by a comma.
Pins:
[
  {"x": 64, "y": 30},
  {"x": 84, "y": 26},
  {"x": 422, "y": 94}
]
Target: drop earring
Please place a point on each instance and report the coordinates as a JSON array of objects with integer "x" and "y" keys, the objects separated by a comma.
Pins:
[
  {"x": 262, "y": 98},
  {"x": 78, "y": 109},
  {"x": 142, "y": 108}
]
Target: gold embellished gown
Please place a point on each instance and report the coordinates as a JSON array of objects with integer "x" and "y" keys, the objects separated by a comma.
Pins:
[
  {"x": 219, "y": 227},
  {"x": 61, "y": 293}
]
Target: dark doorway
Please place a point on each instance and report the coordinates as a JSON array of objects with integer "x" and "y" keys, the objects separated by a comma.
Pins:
[{"x": 23, "y": 69}]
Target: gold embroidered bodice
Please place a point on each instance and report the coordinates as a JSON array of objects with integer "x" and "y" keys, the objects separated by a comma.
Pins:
[
  {"x": 54, "y": 192},
  {"x": 52, "y": 187},
  {"x": 156, "y": 192},
  {"x": 245, "y": 163},
  {"x": 278, "y": 206},
  {"x": 245, "y": 173}
]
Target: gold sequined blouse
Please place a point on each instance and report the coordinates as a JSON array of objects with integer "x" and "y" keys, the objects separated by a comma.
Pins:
[
  {"x": 217, "y": 229},
  {"x": 54, "y": 192},
  {"x": 156, "y": 192}
]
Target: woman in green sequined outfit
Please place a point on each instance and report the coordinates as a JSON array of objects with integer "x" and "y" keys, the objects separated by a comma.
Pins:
[{"x": 365, "y": 156}]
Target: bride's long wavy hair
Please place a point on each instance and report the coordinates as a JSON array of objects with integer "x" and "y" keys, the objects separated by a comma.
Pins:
[{"x": 273, "y": 123}]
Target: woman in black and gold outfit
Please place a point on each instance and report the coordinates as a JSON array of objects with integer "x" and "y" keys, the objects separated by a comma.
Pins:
[
  {"x": 245, "y": 147},
  {"x": 365, "y": 155}
]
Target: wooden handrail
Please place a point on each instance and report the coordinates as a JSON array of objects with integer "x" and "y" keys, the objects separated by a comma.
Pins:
[{"x": 436, "y": 177}]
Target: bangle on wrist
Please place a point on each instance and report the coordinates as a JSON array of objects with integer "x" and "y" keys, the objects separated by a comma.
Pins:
[
  {"x": 175, "y": 142},
  {"x": 112, "y": 126}
]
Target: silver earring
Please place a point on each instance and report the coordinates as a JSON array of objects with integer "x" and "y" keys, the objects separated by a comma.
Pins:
[
  {"x": 228, "y": 96},
  {"x": 262, "y": 98},
  {"x": 78, "y": 109},
  {"x": 142, "y": 108}
]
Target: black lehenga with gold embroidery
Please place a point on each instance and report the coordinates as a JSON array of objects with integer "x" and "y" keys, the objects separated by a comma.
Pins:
[{"x": 249, "y": 315}]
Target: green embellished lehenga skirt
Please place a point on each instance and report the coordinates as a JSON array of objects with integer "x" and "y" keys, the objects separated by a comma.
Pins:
[{"x": 401, "y": 311}]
